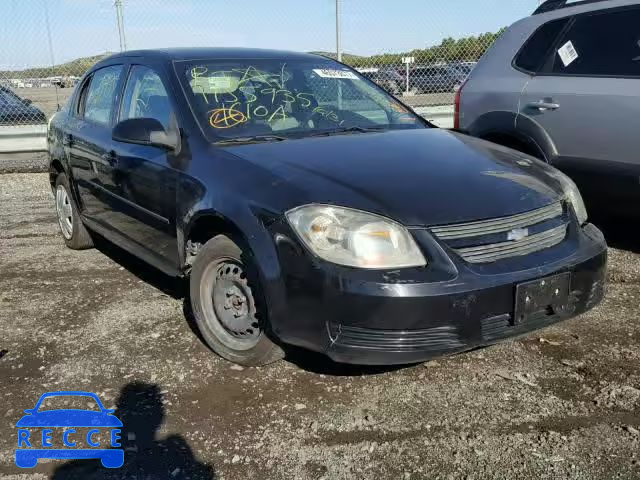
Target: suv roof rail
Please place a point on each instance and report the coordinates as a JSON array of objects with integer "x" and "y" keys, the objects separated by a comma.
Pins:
[{"x": 551, "y": 5}]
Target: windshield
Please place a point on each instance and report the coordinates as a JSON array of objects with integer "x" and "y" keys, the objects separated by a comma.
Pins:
[{"x": 247, "y": 98}]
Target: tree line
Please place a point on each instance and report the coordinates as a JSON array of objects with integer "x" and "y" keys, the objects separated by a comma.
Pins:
[{"x": 450, "y": 49}]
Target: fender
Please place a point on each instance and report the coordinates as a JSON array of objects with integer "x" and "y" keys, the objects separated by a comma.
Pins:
[
  {"x": 247, "y": 223},
  {"x": 520, "y": 127},
  {"x": 251, "y": 225}
]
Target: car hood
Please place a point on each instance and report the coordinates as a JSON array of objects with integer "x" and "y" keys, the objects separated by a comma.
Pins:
[
  {"x": 418, "y": 177},
  {"x": 69, "y": 418}
]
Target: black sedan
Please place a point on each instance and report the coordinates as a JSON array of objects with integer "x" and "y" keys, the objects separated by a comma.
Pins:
[{"x": 308, "y": 207}]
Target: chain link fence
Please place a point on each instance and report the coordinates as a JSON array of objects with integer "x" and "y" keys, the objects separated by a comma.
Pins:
[{"x": 420, "y": 50}]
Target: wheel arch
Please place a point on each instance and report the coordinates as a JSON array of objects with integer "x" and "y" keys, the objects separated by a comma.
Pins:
[
  {"x": 250, "y": 234},
  {"x": 55, "y": 169},
  {"x": 204, "y": 226},
  {"x": 246, "y": 228},
  {"x": 516, "y": 131}
]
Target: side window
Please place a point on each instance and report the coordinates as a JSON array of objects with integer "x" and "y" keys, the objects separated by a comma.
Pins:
[
  {"x": 600, "y": 44},
  {"x": 536, "y": 50},
  {"x": 78, "y": 107},
  {"x": 98, "y": 100},
  {"x": 145, "y": 97}
]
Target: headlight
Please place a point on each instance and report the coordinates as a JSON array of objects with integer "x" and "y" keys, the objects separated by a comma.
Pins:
[
  {"x": 572, "y": 195},
  {"x": 355, "y": 238}
]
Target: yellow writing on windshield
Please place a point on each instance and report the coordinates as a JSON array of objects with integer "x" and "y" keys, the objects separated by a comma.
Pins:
[
  {"x": 242, "y": 94},
  {"x": 226, "y": 117}
]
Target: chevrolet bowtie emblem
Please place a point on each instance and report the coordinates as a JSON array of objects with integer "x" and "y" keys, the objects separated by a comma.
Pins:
[{"x": 518, "y": 234}]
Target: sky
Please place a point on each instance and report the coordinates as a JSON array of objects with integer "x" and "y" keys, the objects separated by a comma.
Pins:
[{"x": 88, "y": 27}]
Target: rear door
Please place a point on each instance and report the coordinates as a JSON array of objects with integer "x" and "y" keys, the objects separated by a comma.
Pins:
[
  {"x": 143, "y": 176},
  {"x": 88, "y": 141},
  {"x": 586, "y": 97}
]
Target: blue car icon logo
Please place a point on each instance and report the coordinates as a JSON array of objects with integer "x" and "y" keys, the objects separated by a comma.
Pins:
[{"x": 28, "y": 452}]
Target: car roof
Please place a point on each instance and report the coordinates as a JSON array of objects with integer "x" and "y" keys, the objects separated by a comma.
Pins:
[
  {"x": 553, "y": 5},
  {"x": 559, "y": 9},
  {"x": 218, "y": 53}
]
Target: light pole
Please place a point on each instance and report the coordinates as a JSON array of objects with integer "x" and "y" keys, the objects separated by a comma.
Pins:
[
  {"x": 120, "y": 19},
  {"x": 338, "y": 47}
]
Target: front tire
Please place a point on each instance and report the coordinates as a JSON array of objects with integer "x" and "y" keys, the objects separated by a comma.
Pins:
[
  {"x": 228, "y": 306},
  {"x": 73, "y": 231}
]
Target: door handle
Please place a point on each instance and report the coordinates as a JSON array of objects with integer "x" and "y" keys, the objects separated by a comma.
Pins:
[
  {"x": 66, "y": 140},
  {"x": 111, "y": 158},
  {"x": 543, "y": 105}
]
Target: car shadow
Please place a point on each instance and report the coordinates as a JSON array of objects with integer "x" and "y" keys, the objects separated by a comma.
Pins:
[
  {"x": 140, "y": 409},
  {"x": 172, "y": 286},
  {"x": 319, "y": 363}
]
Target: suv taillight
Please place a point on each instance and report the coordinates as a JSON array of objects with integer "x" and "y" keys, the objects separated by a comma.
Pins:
[{"x": 456, "y": 106}]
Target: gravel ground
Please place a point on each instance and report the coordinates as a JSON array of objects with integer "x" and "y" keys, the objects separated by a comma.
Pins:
[
  {"x": 561, "y": 403},
  {"x": 28, "y": 162}
]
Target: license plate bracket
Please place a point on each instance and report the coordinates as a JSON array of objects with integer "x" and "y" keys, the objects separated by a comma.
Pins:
[{"x": 549, "y": 295}]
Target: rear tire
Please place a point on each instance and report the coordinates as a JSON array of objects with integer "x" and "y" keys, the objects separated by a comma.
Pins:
[
  {"x": 227, "y": 304},
  {"x": 75, "y": 234}
]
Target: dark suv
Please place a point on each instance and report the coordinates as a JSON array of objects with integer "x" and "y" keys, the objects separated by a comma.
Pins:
[{"x": 308, "y": 206}]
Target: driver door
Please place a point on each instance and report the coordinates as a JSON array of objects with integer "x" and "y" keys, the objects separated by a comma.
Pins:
[{"x": 144, "y": 174}]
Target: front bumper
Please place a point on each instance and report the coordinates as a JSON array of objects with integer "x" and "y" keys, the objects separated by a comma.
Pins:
[{"x": 391, "y": 318}]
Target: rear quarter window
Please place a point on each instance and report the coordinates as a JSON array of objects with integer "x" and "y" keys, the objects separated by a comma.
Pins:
[{"x": 536, "y": 49}]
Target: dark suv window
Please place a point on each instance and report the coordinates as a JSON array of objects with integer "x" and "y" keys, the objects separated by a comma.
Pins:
[
  {"x": 534, "y": 52},
  {"x": 605, "y": 44}
]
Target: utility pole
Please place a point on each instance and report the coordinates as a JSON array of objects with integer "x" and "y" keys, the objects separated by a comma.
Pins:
[
  {"x": 120, "y": 19},
  {"x": 338, "y": 47}
]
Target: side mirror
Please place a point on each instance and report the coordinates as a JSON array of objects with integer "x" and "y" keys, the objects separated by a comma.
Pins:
[{"x": 145, "y": 131}]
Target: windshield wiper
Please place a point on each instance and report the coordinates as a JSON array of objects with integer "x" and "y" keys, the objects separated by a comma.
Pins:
[
  {"x": 339, "y": 131},
  {"x": 251, "y": 139}
]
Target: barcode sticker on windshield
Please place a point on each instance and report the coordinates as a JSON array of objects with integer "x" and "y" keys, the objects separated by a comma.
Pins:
[
  {"x": 223, "y": 83},
  {"x": 567, "y": 53},
  {"x": 332, "y": 73}
]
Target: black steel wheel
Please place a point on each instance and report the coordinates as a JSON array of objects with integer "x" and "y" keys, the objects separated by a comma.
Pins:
[{"x": 227, "y": 305}]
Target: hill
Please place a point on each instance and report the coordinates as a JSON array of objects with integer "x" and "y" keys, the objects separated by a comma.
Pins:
[{"x": 74, "y": 67}]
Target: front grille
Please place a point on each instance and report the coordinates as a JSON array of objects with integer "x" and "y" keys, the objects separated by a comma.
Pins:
[
  {"x": 497, "y": 225},
  {"x": 499, "y": 251},
  {"x": 488, "y": 240}
]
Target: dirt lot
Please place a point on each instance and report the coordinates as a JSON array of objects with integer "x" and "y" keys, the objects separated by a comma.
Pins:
[
  {"x": 561, "y": 403},
  {"x": 46, "y": 98}
]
